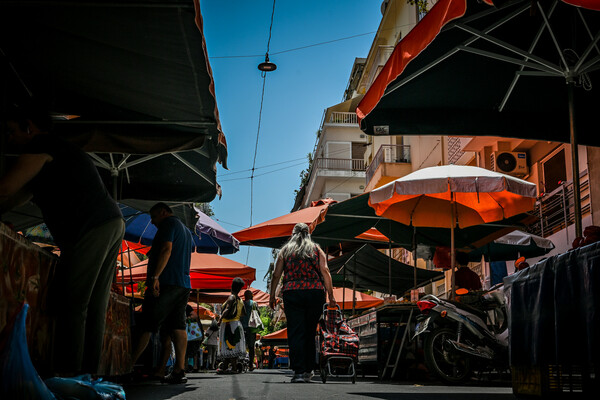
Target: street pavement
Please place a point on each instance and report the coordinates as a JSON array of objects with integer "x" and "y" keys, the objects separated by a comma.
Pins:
[{"x": 276, "y": 385}]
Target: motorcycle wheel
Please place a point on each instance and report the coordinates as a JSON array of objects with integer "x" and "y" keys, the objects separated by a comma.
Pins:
[{"x": 443, "y": 360}]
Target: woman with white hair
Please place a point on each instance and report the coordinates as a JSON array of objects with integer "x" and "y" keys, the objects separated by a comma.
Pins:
[{"x": 305, "y": 277}]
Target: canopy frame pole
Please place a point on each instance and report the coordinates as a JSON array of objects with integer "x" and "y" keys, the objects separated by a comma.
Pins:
[
  {"x": 574, "y": 160},
  {"x": 512, "y": 60}
]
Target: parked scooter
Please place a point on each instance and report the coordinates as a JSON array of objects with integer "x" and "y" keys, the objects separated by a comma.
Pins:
[{"x": 465, "y": 335}]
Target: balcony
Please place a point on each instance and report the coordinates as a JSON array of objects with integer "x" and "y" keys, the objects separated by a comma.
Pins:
[
  {"x": 556, "y": 211},
  {"x": 388, "y": 153},
  {"x": 342, "y": 118},
  {"x": 340, "y": 164}
]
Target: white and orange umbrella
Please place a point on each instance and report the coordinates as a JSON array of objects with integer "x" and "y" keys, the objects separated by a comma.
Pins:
[{"x": 451, "y": 196}]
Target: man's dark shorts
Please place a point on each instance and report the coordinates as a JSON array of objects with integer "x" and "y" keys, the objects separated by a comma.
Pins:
[{"x": 167, "y": 310}]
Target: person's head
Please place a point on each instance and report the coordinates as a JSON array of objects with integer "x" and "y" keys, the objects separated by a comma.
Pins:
[
  {"x": 300, "y": 243},
  {"x": 462, "y": 259},
  {"x": 159, "y": 212},
  {"x": 248, "y": 295},
  {"x": 236, "y": 285},
  {"x": 26, "y": 121},
  {"x": 521, "y": 264}
]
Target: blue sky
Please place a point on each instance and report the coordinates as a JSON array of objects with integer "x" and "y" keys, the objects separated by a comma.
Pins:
[{"x": 305, "y": 83}]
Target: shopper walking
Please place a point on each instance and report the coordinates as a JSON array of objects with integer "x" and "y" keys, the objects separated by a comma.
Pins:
[
  {"x": 305, "y": 276},
  {"x": 249, "y": 333},
  {"x": 168, "y": 286},
  {"x": 211, "y": 343},
  {"x": 232, "y": 344}
]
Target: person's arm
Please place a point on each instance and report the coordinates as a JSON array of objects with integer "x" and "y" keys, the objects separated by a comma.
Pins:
[
  {"x": 164, "y": 253},
  {"x": 324, "y": 269},
  {"x": 231, "y": 302},
  {"x": 275, "y": 281},
  {"x": 24, "y": 170}
]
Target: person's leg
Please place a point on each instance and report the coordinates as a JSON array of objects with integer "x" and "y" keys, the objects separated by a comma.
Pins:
[
  {"x": 250, "y": 340},
  {"x": 96, "y": 315},
  {"x": 80, "y": 270},
  {"x": 165, "y": 353},
  {"x": 314, "y": 301},
  {"x": 294, "y": 312},
  {"x": 141, "y": 346},
  {"x": 175, "y": 322},
  {"x": 180, "y": 341}
]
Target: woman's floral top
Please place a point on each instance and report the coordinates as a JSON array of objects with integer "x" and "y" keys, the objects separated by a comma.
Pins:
[{"x": 302, "y": 274}]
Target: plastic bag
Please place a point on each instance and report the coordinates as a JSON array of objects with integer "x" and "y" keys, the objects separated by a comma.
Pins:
[
  {"x": 18, "y": 377},
  {"x": 83, "y": 387}
]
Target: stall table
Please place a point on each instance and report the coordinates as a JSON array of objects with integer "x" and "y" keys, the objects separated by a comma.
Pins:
[{"x": 383, "y": 331}]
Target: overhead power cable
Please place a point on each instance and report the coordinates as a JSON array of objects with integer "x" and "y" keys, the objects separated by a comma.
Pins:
[{"x": 262, "y": 98}]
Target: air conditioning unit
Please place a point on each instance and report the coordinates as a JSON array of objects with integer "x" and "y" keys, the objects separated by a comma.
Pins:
[{"x": 509, "y": 162}]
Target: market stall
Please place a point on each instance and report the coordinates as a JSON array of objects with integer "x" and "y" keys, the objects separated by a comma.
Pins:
[
  {"x": 554, "y": 326},
  {"x": 28, "y": 273}
]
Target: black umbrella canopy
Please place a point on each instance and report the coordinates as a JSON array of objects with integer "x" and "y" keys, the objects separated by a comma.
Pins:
[
  {"x": 495, "y": 71},
  {"x": 372, "y": 272},
  {"x": 136, "y": 78}
]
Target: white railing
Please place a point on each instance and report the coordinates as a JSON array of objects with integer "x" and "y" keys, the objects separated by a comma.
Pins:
[
  {"x": 388, "y": 153},
  {"x": 345, "y": 118},
  {"x": 342, "y": 164}
]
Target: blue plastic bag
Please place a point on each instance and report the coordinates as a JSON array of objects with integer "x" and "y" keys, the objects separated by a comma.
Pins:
[
  {"x": 83, "y": 387},
  {"x": 18, "y": 377}
]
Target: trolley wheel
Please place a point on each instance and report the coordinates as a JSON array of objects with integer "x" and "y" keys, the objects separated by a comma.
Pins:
[{"x": 323, "y": 373}]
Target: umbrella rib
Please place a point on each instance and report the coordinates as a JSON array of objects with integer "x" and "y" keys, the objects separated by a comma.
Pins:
[
  {"x": 543, "y": 64},
  {"x": 455, "y": 50},
  {"x": 593, "y": 44},
  {"x": 531, "y": 48}
]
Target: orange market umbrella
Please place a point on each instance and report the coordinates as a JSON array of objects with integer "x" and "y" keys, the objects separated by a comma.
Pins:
[
  {"x": 278, "y": 230},
  {"x": 280, "y": 334},
  {"x": 346, "y": 296},
  {"x": 451, "y": 196}
]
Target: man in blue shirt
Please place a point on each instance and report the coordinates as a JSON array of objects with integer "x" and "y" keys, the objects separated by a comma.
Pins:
[{"x": 168, "y": 287}]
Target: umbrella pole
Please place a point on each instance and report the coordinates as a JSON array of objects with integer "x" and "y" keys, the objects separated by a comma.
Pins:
[
  {"x": 354, "y": 289},
  {"x": 344, "y": 290},
  {"x": 574, "y": 160},
  {"x": 390, "y": 262},
  {"x": 452, "y": 251},
  {"x": 414, "y": 246}
]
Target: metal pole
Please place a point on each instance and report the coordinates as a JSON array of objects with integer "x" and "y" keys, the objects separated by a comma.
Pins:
[
  {"x": 390, "y": 262},
  {"x": 574, "y": 160},
  {"x": 353, "y": 289},
  {"x": 452, "y": 253},
  {"x": 414, "y": 246}
]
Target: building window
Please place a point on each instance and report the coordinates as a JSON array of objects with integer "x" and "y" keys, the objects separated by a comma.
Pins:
[{"x": 554, "y": 171}]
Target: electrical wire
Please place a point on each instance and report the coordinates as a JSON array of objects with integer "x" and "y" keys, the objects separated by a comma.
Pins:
[
  {"x": 309, "y": 45},
  {"x": 262, "y": 98}
]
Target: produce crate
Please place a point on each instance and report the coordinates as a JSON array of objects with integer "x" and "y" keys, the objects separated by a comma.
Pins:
[{"x": 547, "y": 380}]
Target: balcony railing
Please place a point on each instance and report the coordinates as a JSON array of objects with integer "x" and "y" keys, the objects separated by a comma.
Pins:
[
  {"x": 344, "y": 118},
  {"x": 556, "y": 210},
  {"x": 341, "y": 164},
  {"x": 388, "y": 153}
]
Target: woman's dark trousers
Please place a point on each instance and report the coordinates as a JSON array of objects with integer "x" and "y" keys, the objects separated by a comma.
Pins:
[{"x": 303, "y": 309}]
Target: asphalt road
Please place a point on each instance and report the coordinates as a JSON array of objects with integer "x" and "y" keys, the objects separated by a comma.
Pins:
[{"x": 276, "y": 385}]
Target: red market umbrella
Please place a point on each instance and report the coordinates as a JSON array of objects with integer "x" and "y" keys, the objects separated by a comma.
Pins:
[
  {"x": 346, "y": 299},
  {"x": 207, "y": 272}
]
